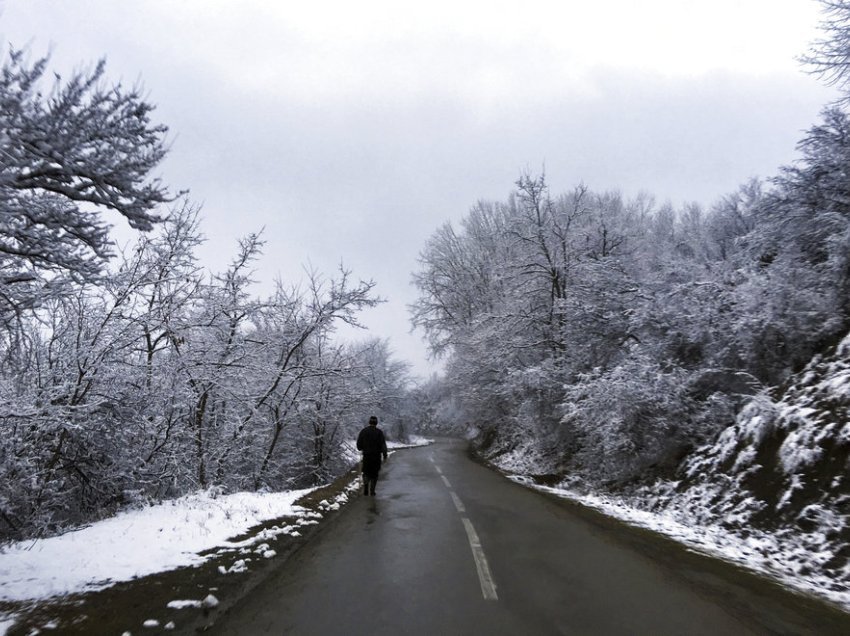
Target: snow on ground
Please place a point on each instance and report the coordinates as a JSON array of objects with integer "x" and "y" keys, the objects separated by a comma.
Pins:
[
  {"x": 769, "y": 493},
  {"x": 154, "y": 539},
  {"x": 353, "y": 455},
  {"x": 415, "y": 440},
  {"x": 139, "y": 542},
  {"x": 761, "y": 551}
]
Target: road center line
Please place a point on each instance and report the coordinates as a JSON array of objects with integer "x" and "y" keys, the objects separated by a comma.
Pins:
[
  {"x": 488, "y": 586},
  {"x": 458, "y": 503},
  {"x": 485, "y": 577}
]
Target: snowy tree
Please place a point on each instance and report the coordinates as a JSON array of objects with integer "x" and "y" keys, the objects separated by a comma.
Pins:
[
  {"x": 145, "y": 378},
  {"x": 585, "y": 284},
  {"x": 66, "y": 156},
  {"x": 829, "y": 57}
]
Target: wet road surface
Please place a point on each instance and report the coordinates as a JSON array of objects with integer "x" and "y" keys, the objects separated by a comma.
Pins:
[{"x": 450, "y": 547}]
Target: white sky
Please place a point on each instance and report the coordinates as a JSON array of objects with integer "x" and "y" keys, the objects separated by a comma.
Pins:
[{"x": 351, "y": 130}]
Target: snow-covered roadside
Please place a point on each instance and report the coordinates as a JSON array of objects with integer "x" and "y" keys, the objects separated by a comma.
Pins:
[
  {"x": 159, "y": 538},
  {"x": 769, "y": 492},
  {"x": 139, "y": 542},
  {"x": 154, "y": 539},
  {"x": 415, "y": 440},
  {"x": 760, "y": 551},
  {"x": 353, "y": 455}
]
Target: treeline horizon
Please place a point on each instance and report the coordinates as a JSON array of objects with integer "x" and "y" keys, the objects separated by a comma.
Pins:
[
  {"x": 597, "y": 335},
  {"x": 607, "y": 337},
  {"x": 616, "y": 335}
]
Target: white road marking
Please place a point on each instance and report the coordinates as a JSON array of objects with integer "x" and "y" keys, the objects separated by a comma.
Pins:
[
  {"x": 432, "y": 459},
  {"x": 458, "y": 502},
  {"x": 488, "y": 586}
]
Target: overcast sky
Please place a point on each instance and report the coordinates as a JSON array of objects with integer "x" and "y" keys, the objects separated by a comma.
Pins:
[{"x": 351, "y": 130}]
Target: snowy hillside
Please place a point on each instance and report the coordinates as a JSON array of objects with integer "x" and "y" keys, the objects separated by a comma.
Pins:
[
  {"x": 771, "y": 492},
  {"x": 781, "y": 469}
]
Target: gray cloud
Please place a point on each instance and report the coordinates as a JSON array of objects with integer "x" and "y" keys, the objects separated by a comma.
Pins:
[{"x": 359, "y": 160}]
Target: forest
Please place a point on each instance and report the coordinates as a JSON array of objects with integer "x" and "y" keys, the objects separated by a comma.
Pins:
[
  {"x": 690, "y": 361},
  {"x": 602, "y": 337},
  {"x": 617, "y": 334},
  {"x": 133, "y": 375}
]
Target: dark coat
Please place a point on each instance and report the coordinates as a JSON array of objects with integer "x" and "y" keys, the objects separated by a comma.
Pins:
[{"x": 373, "y": 445}]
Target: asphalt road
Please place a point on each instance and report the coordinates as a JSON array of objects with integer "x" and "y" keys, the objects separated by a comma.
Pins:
[{"x": 450, "y": 547}]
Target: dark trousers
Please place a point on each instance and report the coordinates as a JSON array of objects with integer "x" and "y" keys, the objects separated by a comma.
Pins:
[
  {"x": 371, "y": 468},
  {"x": 369, "y": 482}
]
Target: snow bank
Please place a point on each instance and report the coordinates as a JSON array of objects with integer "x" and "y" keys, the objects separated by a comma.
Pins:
[
  {"x": 772, "y": 492},
  {"x": 154, "y": 539},
  {"x": 415, "y": 440},
  {"x": 353, "y": 455},
  {"x": 769, "y": 554},
  {"x": 137, "y": 543}
]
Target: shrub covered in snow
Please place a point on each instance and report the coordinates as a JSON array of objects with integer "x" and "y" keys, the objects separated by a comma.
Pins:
[{"x": 782, "y": 468}]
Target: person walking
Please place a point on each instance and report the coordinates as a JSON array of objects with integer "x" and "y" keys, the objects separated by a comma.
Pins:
[{"x": 373, "y": 445}]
